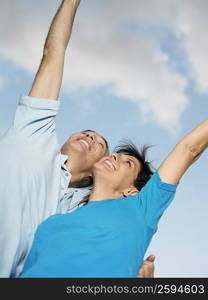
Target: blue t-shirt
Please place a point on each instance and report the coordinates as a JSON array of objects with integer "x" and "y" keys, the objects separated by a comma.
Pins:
[{"x": 105, "y": 238}]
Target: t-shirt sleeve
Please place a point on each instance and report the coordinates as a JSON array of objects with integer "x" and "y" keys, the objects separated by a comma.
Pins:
[
  {"x": 154, "y": 198},
  {"x": 35, "y": 117}
]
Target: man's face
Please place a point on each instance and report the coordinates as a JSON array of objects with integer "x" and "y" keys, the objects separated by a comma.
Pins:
[
  {"x": 90, "y": 145},
  {"x": 117, "y": 171}
]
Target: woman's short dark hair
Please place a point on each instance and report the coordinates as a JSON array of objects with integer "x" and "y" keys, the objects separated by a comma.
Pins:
[{"x": 146, "y": 170}]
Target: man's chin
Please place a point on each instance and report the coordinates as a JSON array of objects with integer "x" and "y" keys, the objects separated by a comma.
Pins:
[{"x": 78, "y": 147}]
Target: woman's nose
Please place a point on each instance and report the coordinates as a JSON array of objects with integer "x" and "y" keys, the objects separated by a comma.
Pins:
[{"x": 115, "y": 156}]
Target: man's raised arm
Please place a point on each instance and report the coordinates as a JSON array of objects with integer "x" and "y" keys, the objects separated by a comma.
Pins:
[
  {"x": 47, "y": 82},
  {"x": 184, "y": 154}
]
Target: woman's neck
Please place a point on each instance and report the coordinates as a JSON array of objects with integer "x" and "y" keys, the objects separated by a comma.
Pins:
[{"x": 102, "y": 192}]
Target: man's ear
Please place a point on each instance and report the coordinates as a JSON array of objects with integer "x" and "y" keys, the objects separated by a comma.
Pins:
[{"x": 130, "y": 191}]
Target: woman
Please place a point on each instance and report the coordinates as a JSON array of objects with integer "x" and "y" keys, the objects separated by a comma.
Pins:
[{"x": 108, "y": 236}]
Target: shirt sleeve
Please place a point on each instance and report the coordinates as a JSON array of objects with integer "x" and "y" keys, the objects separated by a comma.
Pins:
[
  {"x": 154, "y": 198},
  {"x": 35, "y": 117}
]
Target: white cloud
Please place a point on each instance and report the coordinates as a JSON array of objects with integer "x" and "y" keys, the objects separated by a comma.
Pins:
[
  {"x": 192, "y": 22},
  {"x": 23, "y": 29},
  {"x": 104, "y": 51},
  {"x": 134, "y": 70}
]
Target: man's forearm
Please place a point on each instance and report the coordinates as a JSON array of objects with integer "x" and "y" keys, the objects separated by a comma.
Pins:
[
  {"x": 48, "y": 79},
  {"x": 61, "y": 27}
]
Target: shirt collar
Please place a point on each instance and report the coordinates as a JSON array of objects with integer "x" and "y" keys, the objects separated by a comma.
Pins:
[{"x": 64, "y": 158}]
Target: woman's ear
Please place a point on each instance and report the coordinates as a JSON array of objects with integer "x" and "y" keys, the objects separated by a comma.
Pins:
[
  {"x": 130, "y": 191},
  {"x": 134, "y": 192}
]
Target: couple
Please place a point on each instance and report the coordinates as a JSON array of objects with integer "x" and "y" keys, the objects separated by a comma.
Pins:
[
  {"x": 108, "y": 235},
  {"x": 37, "y": 179}
]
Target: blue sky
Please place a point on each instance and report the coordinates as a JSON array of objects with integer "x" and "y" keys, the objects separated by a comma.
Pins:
[{"x": 134, "y": 76}]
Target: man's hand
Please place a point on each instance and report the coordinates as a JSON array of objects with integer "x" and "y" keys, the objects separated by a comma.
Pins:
[{"x": 147, "y": 269}]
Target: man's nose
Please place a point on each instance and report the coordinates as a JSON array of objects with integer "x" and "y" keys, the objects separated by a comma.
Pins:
[{"x": 91, "y": 136}]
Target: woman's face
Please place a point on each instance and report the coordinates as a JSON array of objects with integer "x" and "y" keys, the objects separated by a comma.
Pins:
[{"x": 117, "y": 171}]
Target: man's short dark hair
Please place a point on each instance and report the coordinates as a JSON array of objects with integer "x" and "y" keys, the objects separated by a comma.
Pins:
[{"x": 146, "y": 170}]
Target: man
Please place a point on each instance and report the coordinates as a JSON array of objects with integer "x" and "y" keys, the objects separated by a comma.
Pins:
[
  {"x": 37, "y": 180},
  {"x": 35, "y": 175}
]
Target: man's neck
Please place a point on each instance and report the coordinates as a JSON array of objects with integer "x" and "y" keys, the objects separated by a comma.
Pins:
[
  {"x": 77, "y": 172},
  {"x": 76, "y": 178}
]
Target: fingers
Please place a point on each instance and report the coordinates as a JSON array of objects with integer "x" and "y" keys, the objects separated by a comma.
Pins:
[
  {"x": 147, "y": 269},
  {"x": 150, "y": 258},
  {"x": 140, "y": 273}
]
